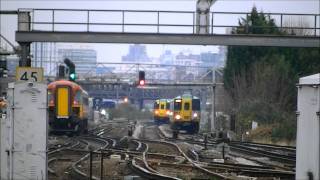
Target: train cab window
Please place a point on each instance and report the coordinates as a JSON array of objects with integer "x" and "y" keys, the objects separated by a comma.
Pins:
[
  {"x": 77, "y": 97},
  {"x": 50, "y": 96},
  {"x": 177, "y": 105},
  {"x": 156, "y": 105},
  {"x": 85, "y": 101},
  {"x": 162, "y": 106},
  {"x": 186, "y": 106},
  {"x": 167, "y": 105},
  {"x": 196, "y": 104}
]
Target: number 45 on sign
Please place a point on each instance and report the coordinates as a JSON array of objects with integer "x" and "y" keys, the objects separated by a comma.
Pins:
[{"x": 29, "y": 74}]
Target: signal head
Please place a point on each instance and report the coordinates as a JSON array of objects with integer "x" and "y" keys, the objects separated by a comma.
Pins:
[
  {"x": 72, "y": 76},
  {"x": 141, "y": 82}
]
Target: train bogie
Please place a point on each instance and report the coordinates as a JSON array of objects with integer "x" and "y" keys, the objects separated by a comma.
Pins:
[{"x": 189, "y": 127}]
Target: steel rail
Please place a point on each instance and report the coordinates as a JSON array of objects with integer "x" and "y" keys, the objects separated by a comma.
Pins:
[
  {"x": 147, "y": 174},
  {"x": 288, "y": 148},
  {"x": 213, "y": 174},
  {"x": 75, "y": 165},
  {"x": 276, "y": 157}
]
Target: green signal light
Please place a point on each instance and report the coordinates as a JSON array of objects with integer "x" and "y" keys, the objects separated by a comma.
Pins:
[{"x": 72, "y": 76}]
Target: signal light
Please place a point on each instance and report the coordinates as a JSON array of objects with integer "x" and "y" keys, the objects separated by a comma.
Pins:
[
  {"x": 72, "y": 76},
  {"x": 72, "y": 69},
  {"x": 142, "y": 80}
]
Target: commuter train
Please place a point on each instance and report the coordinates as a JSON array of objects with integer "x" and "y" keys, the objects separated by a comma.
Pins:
[
  {"x": 68, "y": 107},
  {"x": 161, "y": 111},
  {"x": 185, "y": 113}
]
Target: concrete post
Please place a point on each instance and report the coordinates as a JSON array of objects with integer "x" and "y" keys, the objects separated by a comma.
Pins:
[
  {"x": 203, "y": 16},
  {"x": 24, "y": 24},
  {"x": 25, "y": 60}
]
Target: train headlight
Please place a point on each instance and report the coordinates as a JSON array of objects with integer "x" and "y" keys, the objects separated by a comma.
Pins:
[
  {"x": 168, "y": 112},
  {"x": 103, "y": 112},
  {"x": 178, "y": 116},
  {"x": 156, "y": 112},
  {"x": 195, "y": 115}
]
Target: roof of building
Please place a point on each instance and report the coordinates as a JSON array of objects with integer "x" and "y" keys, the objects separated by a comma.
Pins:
[{"x": 310, "y": 80}]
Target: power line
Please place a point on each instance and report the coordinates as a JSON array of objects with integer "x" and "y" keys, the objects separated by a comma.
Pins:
[{"x": 168, "y": 0}]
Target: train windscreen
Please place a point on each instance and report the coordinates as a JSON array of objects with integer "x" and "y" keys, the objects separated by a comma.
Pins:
[
  {"x": 186, "y": 106},
  {"x": 168, "y": 105},
  {"x": 156, "y": 105},
  {"x": 196, "y": 104},
  {"x": 177, "y": 104}
]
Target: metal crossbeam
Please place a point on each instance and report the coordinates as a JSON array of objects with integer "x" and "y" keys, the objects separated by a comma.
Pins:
[{"x": 187, "y": 39}]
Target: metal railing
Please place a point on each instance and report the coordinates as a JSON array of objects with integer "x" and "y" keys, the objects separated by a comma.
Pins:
[{"x": 175, "y": 22}]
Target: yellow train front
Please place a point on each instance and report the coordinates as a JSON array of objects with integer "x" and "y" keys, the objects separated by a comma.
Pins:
[
  {"x": 161, "y": 111},
  {"x": 68, "y": 107},
  {"x": 186, "y": 114}
]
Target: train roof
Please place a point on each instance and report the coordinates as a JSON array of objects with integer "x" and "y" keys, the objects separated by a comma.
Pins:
[
  {"x": 187, "y": 96},
  {"x": 64, "y": 82},
  {"x": 163, "y": 100}
]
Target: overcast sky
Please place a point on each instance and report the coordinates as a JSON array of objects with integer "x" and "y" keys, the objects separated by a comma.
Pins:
[{"x": 112, "y": 51}]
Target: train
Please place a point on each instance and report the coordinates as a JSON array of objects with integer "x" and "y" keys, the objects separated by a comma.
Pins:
[
  {"x": 182, "y": 113},
  {"x": 162, "y": 111},
  {"x": 68, "y": 106},
  {"x": 186, "y": 113}
]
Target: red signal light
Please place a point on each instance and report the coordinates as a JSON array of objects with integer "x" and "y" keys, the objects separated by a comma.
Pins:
[{"x": 141, "y": 83}]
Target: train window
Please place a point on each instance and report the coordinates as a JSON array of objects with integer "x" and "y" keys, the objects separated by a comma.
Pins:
[
  {"x": 156, "y": 105},
  {"x": 78, "y": 97},
  {"x": 85, "y": 100},
  {"x": 168, "y": 105},
  {"x": 196, "y": 104},
  {"x": 177, "y": 105},
  {"x": 50, "y": 96},
  {"x": 186, "y": 106},
  {"x": 162, "y": 106}
]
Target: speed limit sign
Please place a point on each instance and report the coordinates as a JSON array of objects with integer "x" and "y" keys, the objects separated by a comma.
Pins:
[{"x": 29, "y": 74}]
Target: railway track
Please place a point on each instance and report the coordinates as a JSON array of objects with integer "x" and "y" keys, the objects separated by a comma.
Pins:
[
  {"x": 64, "y": 161},
  {"x": 286, "y": 159},
  {"x": 154, "y": 156},
  {"x": 282, "y": 154},
  {"x": 61, "y": 159}
]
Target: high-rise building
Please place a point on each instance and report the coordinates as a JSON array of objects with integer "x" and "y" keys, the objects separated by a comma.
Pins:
[
  {"x": 137, "y": 53},
  {"x": 167, "y": 57},
  {"x": 84, "y": 59},
  {"x": 44, "y": 54},
  {"x": 209, "y": 59}
]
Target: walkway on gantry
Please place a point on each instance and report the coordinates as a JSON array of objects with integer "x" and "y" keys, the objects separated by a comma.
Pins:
[{"x": 158, "y": 27}]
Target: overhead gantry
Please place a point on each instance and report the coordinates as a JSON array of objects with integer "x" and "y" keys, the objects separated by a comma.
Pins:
[{"x": 197, "y": 29}]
